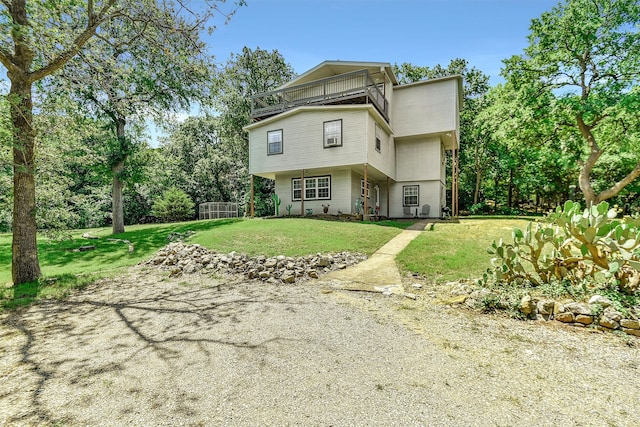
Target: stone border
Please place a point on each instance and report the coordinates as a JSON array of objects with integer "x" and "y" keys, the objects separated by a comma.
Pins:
[
  {"x": 181, "y": 258},
  {"x": 599, "y": 312}
]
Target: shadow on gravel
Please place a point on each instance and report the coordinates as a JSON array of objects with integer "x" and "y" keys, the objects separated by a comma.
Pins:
[{"x": 82, "y": 350}]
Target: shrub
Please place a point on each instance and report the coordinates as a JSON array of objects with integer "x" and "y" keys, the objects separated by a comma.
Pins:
[
  {"x": 572, "y": 245},
  {"x": 173, "y": 205}
]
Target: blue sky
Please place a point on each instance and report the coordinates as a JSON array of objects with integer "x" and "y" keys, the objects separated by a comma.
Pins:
[{"x": 422, "y": 32}]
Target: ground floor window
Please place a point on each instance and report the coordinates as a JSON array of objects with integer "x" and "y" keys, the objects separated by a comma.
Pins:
[
  {"x": 410, "y": 195},
  {"x": 316, "y": 188},
  {"x": 362, "y": 188}
]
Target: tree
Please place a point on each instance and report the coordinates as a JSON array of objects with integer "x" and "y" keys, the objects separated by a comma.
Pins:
[
  {"x": 582, "y": 66},
  {"x": 173, "y": 205},
  {"x": 201, "y": 163},
  {"x": 247, "y": 74},
  {"x": 35, "y": 42},
  {"x": 156, "y": 65}
]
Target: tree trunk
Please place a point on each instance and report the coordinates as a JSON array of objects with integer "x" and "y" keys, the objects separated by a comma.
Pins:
[
  {"x": 476, "y": 191},
  {"x": 25, "y": 265},
  {"x": 117, "y": 205}
]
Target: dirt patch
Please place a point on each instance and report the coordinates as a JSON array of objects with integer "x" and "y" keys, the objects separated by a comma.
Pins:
[{"x": 144, "y": 349}]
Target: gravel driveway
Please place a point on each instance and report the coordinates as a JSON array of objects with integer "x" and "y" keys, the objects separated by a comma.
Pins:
[{"x": 145, "y": 350}]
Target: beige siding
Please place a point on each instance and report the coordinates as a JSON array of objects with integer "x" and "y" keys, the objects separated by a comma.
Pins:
[
  {"x": 425, "y": 108},
  {"x": 418, "y": 159},
  {"x": 384, "y": 160},
  {"x": 302, "y": 141},
  {"x": 429, "y": 193},
  {"x": 340, "y": 192}
]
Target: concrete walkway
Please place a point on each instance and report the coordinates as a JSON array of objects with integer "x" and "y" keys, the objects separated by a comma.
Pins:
[{"x": 379, "y": 273}]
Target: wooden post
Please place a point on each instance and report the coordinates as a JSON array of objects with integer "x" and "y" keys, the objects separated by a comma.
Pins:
[
  {"x": 302, "y": 194},
  {"x": 454, "y": 183},
  {"x": 251, "y": 204},
  {"x": 388, "y": 197},
  {"x": 365, "y": 211}
]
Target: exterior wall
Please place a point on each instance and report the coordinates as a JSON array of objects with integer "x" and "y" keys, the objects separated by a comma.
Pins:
[
  {"x": 425, "y": 108},
  {"x": 418, "y": 159},
  {"x": 302, "y": 141},
  {"x": 429, "y": 193},
  {"x": 340, "y": 192},
  {"x": 424, "y": 119},
  {"x": 385, "y": 160}
]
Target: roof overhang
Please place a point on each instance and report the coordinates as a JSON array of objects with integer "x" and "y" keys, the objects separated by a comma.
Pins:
[
  {"x": 377, "y": 70},
  {"x": 365, "y": 107}
]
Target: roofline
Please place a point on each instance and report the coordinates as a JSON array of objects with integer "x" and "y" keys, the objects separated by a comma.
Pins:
[
  {"x": 392, "y": 76},
  {"x": 302, "y": 109}
]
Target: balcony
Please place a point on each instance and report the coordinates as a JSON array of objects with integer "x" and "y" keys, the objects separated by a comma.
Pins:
[{"x": 356, "y": 87}]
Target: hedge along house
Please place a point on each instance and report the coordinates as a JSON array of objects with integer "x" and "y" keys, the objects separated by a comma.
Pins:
[{"x": 347, "y": 135}]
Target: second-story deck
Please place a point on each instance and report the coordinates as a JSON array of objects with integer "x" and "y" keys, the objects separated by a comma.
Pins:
[{"x": 356, "y": 87}]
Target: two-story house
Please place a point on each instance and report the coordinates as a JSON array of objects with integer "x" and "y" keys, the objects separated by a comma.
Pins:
[{"x": 348, "y": 135}]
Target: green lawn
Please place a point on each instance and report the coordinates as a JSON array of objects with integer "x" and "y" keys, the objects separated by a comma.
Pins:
[
  {"x": 450, "y": 251},
  {"x": 456, "y": 251},
  {"x": 289, "y": 237}
]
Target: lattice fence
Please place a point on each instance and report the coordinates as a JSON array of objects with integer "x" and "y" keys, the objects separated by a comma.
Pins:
[{"x": 214, "y": 210}]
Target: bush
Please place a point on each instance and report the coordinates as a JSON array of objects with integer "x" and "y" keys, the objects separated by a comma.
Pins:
[
  {"x": 572, "y": 246},
  {"x": 174, "y": 205}
]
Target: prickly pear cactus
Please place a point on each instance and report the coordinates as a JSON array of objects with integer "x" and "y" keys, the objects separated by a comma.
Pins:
[
  {"x": 572, "y": 244},
  {"x": 276, "y": 203}
]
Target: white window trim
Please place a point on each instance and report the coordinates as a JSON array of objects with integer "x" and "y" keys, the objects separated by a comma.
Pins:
[
  {"x": 362, "y": 188},
  {"x": 405, "y": 195},
  {"x": 378, "y": 141},
  {"x": 337, "y": 140},
  {"x": 275, "y": 132},
  {"x": 316, "y": 187}
]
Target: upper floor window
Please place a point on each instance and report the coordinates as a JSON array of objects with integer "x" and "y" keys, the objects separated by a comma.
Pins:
[
  {"x": 378, "y": 137},
  {"x": 333, "y": 133},
  {"x": 274, "y": 141},
  {"x": 410, "y": 195}
]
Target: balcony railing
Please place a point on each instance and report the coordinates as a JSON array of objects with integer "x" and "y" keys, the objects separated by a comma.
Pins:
[{"x": 356, "y": 87}]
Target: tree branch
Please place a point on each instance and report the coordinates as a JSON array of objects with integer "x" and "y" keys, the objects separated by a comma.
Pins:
[
  {"x": 618, "y": 186},
  {"x": 7, "y": 60},
  {"x": 80, "y": 40}
]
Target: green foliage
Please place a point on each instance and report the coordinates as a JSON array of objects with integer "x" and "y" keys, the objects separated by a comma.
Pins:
[
  {"x": 575, "y": 246},
  {"x": 288, "y": 207},
  {"x": 578, "y": 79},
  {"x": 174, "y": 205}
]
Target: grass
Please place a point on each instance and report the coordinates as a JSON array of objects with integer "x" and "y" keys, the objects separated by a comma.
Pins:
[
  {"x": 65, "y": 269},
  {"x": 296, "y": 236},
  {"x": 454, "y": 251}
]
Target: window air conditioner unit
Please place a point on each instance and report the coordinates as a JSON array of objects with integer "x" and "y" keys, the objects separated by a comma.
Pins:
[{"x": 332, "y": 141}]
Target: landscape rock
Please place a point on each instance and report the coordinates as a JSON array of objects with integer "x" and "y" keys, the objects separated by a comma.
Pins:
[
  {"x": 630, "y": 323},
  {"x": 567, "y": 317},
  {"x": 527, "y": 307},
  {"x": 608, "y": 323},
  {"x": 599, "y": 299},
  {"x": 578, "y": 308},
  {"x": 584, "y": 319},
  {"x": 181, "y": 258}
]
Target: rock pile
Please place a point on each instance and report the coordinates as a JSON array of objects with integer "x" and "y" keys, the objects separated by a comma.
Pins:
[
  {"x": 599, "y": 312},
  {"x": 181, "y": 258}
]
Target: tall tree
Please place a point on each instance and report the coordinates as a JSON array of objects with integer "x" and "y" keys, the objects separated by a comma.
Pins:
[
  {"x": 156, "y": 64},
  {"x": 36, "y": 40},
  {"x": 246, "y": 74},
  {"x": 586, "y": 54}
]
